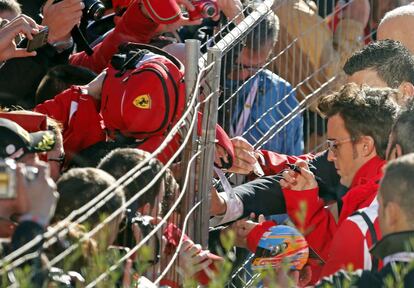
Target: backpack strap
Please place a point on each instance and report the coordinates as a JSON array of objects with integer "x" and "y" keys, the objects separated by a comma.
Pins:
[
  {"x": 129, "y": 46},
  {"x": 374, "y": 237},
  {"x": 247, "y": 108}
]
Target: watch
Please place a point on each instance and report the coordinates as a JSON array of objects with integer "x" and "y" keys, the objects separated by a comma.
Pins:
[
  {"x": 60, "y": 159},
  {"x": 61, "y": 46}
]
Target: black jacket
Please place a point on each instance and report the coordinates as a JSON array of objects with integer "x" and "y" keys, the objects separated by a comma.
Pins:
[
  {"x": 19, "y": 77},
  {"x": 398, "y": 271},
  {"x": 264, "y": 195}
]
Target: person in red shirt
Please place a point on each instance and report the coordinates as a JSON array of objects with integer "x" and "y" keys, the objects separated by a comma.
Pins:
[
  {"x": 359, "y": 122},
  {"x": 136, "y": 25}
]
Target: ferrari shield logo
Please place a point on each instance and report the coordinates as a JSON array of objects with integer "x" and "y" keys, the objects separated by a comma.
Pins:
[{"x": 143, "y": 101}]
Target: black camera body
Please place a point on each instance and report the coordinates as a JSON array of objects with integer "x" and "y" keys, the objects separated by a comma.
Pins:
[{"x": 94, "y": 9}]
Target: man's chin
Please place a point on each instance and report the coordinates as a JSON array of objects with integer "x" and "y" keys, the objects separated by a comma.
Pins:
[{"x": 345, "y": 181}]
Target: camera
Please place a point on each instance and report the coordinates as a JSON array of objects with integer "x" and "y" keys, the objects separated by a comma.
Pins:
[
  {"x": 203, "y": 9},
  {"x": 7, "y": 178},
  {"x": 94, "y": 9}
]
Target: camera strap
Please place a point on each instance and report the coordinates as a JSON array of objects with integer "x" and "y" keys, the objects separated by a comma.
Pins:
[{"x": 80, "y": 40}]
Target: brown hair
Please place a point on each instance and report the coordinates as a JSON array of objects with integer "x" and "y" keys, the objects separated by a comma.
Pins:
[
  {"x": 366, "y": 112},
  {"x": 78, "y": 186},
  {"x": 396, "y": 185},
  {"x": 119, "y": 161}
]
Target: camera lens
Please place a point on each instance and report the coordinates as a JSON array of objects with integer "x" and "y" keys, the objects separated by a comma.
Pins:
[
  {"x": 209, "y": 10},
  {"x": 94, "y": 9}
]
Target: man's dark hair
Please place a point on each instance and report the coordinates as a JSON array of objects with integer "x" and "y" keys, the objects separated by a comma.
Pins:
[
  {"x": 119, "y": 161},
  {"x": 11, "y": 6},
  {"x": 398, "y": 182},
  {"x": 60, "y": 78},
  {"x": 266, "y": 31},
  {"x": 366, "y": 111},
  {"x": 402, "y": 131},
  {"x": 79, "y": 186},
  {"x": 393, "y": 62}
]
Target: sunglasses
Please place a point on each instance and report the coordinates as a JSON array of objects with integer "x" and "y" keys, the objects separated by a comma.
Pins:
[{"x": 333, "y": 144}]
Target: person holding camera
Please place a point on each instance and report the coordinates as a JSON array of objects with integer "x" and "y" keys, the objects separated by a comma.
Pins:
[
  {"x": 52, "y": 49},
  {"x": 8, "y": 33},
  {"x": 18, "y": 173},
  {"x": 28, "y": 195}
]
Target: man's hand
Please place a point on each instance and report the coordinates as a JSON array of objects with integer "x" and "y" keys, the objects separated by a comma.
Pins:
[
  {"x": 193, "y": 259},
  {"x": 244, "y": 156},
  {"x": 41, "y": 192},
  {"x": 299, "y": 181},
  {"x": 242, "y": 228},
  {"x": 232, "y": 9},
  {"x": 61, "y": 18},
  {"x": 293, "y": 278},
  {"x": 22, "y": 24},
  {"x": 358, "y": 10}
]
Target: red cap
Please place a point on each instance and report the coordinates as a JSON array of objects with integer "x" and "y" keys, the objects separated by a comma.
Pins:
[
  {"x": 140, "y": 102},
  {"x": 163, "y": 11},
  {"x": 142, "y": 99},
  {"x": 31, "y": 121}
]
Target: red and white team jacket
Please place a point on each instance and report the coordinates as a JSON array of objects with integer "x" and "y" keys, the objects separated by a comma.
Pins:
[
  {"x": 78, "y": 114},
  {"x": 344, "y": 242}
]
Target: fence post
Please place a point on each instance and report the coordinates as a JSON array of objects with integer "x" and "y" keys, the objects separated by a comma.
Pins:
[
  {"x": 208, "y": 137},
  {"x": 192, "y": 51}
]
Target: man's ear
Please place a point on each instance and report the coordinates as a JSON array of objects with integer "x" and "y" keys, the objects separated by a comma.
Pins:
[
  {"x": 394, "y": 216},
  {"x": 368, "y": 146},
  {"x": 407, "y": 89}
]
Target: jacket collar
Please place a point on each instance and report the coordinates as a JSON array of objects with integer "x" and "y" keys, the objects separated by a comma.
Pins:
[
  {"x": 393, "y": 244},
  {"x": 364, "y": 187},
  {"x": 370, "y": 171}
]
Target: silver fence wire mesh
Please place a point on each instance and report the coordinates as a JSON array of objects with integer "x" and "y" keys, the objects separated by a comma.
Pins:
[
  {"x": 184, "y": 128},
  {"x": 260, "y": 79},
  {"x": 276, "y": 73}
]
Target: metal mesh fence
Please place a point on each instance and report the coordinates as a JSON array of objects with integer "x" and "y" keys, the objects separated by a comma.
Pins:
[
  {"x": 269, "y": 91},
  {"x": 259, "y": 79}
]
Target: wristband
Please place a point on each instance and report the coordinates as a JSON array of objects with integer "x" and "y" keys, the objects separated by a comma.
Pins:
[
  {"x": 61, "y": 46},
  {"x": 60, "y": 159}
]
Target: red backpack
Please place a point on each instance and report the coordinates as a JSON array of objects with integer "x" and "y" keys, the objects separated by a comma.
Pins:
[{"x": 143, "y": 94}]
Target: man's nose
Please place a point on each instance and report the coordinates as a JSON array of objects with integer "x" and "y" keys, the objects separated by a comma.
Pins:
[{"x": 331, "y": 156}]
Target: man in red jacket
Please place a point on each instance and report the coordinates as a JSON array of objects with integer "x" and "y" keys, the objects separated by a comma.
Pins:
[
  {"x": 359, "y": 122},
  {"x": 136, "y": 25}
]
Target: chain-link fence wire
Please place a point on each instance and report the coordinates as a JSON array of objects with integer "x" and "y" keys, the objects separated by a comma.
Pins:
[
  {"x": 185, "y": 129},
  {"x": 296, "y": 57},
  {"x": 314, "y": 41}
]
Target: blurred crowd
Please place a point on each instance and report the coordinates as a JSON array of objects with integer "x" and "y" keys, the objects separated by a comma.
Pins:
[{"x": 91, "y": 90}]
